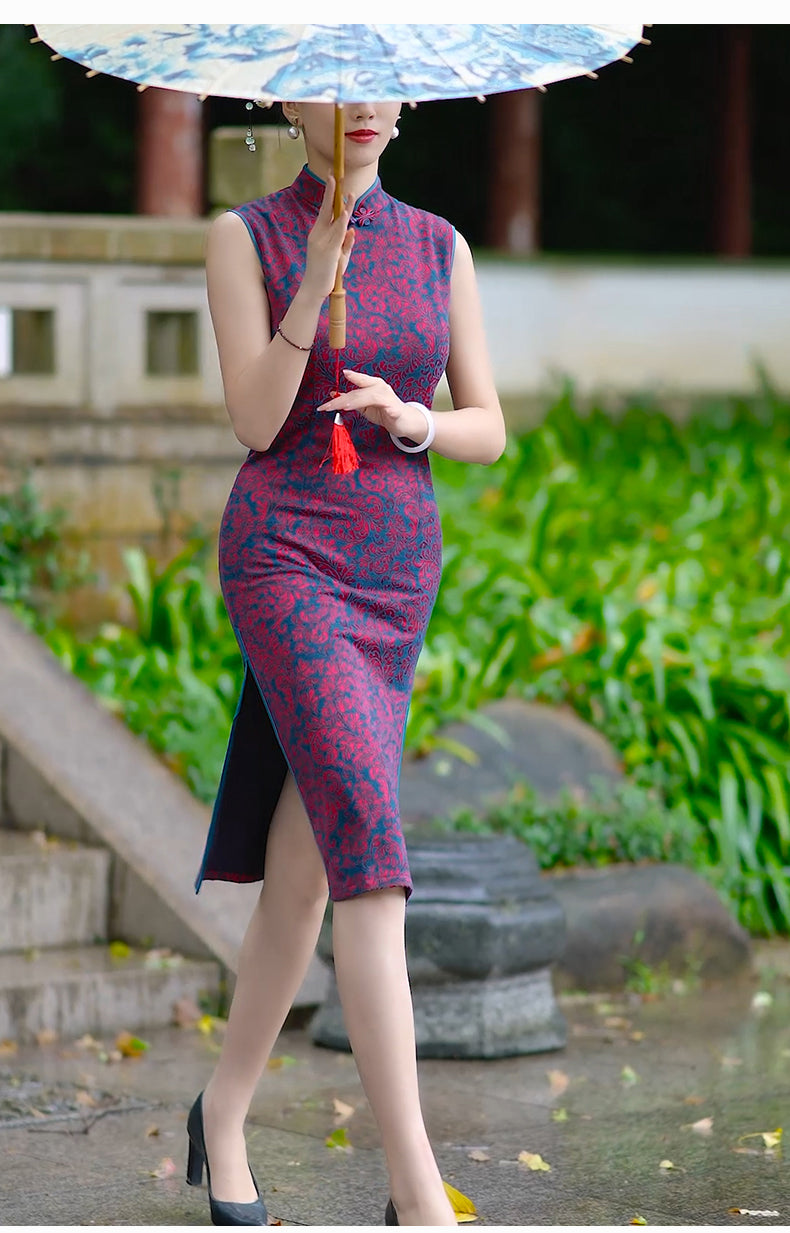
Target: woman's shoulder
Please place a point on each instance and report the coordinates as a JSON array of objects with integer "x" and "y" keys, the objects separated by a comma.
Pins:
[
  {"x": 262, "y": 207},
  {"x": 425, "y": 219}
]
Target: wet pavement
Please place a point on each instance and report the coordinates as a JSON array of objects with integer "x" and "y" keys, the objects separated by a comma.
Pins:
[{"x": 695, "y": 1077}]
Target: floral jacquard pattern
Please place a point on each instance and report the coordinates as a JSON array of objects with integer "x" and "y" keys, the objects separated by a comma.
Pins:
[{"x": 330, "y": 580}]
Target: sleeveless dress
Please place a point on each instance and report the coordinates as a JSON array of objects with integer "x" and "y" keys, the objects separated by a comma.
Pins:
[{"x": 330, "y": 580}]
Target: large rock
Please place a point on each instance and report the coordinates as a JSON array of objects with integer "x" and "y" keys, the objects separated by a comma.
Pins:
[
  {"x": 482, "y": 930},
  {"x": 551, "y": 747},
  {"x": 663, "y": 915}
]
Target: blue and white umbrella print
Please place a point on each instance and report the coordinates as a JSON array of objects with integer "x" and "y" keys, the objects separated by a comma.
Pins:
[{"x": 342, "y": 62}]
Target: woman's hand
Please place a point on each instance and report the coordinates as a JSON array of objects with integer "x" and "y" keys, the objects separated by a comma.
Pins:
[
  {"x": 379, "y": 403},
  {"x": 329, "y": 241}
]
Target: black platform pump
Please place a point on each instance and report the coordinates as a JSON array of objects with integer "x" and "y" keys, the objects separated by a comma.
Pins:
[
  {"x": 390, "y": 1215},
  {"x": 221, "y": 1212}
]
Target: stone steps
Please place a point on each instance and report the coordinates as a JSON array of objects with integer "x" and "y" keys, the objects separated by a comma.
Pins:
[
  {"x": 79, "y": 989},
  {"x": 52, "y": 893},
  {"x": 57, "y": 972}
]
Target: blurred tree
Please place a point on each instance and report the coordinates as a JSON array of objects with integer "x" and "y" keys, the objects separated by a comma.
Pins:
[{"x": 68, "y": 142}]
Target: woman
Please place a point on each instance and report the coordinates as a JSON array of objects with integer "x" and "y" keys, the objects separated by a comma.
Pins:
[{"x": 329, "y": 579}]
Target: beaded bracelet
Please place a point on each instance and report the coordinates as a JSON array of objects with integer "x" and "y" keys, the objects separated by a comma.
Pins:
[{"x": 293, "y": 344}]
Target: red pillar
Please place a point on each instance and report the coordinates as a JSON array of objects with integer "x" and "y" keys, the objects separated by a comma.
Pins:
[
  {"x": 733, "y": 210},
  {"x": 169, "y": 154},
  {"x": 514, "y": 176}
]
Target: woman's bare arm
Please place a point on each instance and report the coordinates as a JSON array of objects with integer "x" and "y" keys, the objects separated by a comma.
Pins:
[
  {"x": 475, "y": 430},
  {"x": 260, "y": 374}
]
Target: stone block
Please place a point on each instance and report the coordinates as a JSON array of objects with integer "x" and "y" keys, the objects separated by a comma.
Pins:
[
  {"x": 482, "y": 930},
  {"x": 663, "y": 915},
  {"x": 469, "y": 1019},
  {"x": 236, "y": 176},
  {"x": 51, "y": 896},
  {"x": 550, "y": 747}
]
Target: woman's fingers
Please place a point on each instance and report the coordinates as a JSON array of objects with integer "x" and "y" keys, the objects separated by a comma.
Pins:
[
  {"x": 364, "y": 379},
  {"x": 325, "y": 209}
]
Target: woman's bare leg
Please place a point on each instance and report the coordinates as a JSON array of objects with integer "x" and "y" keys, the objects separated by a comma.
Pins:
[
  {"x": 373, "y": 983},
  {"x": 278, "y": 945}
]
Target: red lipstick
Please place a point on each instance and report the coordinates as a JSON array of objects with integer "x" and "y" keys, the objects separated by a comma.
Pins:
[{"x": 362, "y": 135}]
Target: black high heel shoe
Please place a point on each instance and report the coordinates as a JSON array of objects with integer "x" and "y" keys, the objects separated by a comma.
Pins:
[
  {"x": 221, "y": 1212},
  {"x": 390, "y": 1215}
]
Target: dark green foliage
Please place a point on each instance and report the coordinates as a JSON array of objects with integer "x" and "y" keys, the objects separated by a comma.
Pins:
[
  {"x": 35, "y": 564},
  {"x": 597, "y": 826},
  {"x": 637, "y": 570}
]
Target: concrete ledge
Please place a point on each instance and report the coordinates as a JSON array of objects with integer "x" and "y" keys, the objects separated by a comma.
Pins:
[
  {"x": 76, "y": 770},
  {"x": 101, "y": 237}
]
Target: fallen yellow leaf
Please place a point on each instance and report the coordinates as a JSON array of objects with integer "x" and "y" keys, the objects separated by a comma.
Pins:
[
  {"x": 85, "y": 1099},
  {"x": 47, "y": 1036},
  {"x": 8, "y": 1048},
  {"x": 559, "y": 1115},
  {"x": 129, "y": 1046},
  {"x": 119, "y": 950},
  {"x": 151, "y": 1131},
  {"x": 463, "y": 1207},
  {"x": 666, "y": 1164},
  {"x": 477, "y": 1154},
  {"x": 533, "y": 1161},
  {"x": 277, "y": 1063},
  {"x": 558, "y": 1081},
  {"x": 629, "y": 1075},
  {"x": 769, "y": 1137},
  {"x": 637, "y": 1220},
  {"x": 342, "y": 1110},
  {"x": 704, "y": 1126}
]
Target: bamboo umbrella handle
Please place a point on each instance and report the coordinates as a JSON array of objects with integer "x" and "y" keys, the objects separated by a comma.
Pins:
[{"x": 337, "y": 298}]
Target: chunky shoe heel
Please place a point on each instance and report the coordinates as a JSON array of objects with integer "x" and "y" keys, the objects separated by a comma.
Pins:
[
  {"x": 195, "y": 1162},
  {"x": 222, "y": 1211},
  {"x": 390, "y": 1215}
]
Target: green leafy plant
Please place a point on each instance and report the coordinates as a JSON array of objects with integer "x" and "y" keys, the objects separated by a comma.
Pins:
[
  {"x": 606, "y": 823},
  {"x": 36, "y": 565}
]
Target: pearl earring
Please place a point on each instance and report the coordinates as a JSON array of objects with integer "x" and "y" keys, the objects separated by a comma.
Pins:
[
  {"x": 396, "y": 130},
  {"x": 250, "y": 139},
  {"x": 293, "y": 131}
]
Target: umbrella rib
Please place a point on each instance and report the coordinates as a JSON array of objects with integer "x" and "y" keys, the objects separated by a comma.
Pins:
[{"x": 448, "y": 63}]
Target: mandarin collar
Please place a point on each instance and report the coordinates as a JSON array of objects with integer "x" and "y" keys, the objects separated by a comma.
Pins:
[{"x": 310, "y": 188}]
